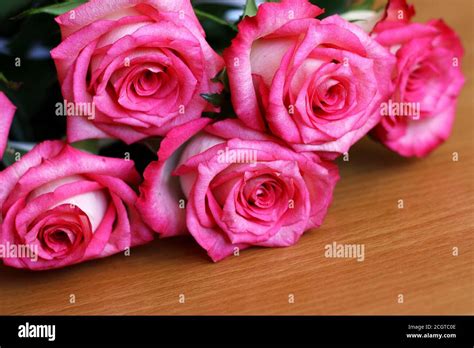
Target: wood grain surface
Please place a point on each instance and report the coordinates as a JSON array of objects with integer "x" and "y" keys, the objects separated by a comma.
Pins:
[{"x": 408, "y": 251}]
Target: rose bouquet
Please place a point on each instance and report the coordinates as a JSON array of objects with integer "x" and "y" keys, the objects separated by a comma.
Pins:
[{"x": 199, "y": 119}]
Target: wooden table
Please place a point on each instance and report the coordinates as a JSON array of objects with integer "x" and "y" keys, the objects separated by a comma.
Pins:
[{"x": 408, "y": 251}]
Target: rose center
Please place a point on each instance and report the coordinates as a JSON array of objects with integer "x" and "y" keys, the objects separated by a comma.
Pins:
[
  {"x": 60, "y": 237},
  {"x": 61, "y": 229},
  {"x": 262, "y": 192},
  {"x": 328, "y": 97},
  {"x": 59, "y": 240},
  {"x": 148, "y": 82}
]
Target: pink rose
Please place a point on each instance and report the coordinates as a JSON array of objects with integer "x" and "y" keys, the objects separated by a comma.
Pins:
[
  {"x": 67, "y": 206},
  {"x": 317, "y": 84},
  {"x": 7, "y": 110},
  {"x": 140, "y": 65},
  {"x": 421, "y": 111},
  {"x": 242, "y": 188}
]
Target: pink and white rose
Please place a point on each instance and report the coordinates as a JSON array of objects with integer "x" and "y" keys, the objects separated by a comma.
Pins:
[
  {"x": 67, "y": 206},
  {"x": 141, "y": 64},
  {"x": 242, "y": 188},
  {"x": 317, "y": 84},
  {"x": 428, "y": 81}
]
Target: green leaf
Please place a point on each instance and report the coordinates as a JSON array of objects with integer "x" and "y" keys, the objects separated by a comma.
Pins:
[
  {"x": 332, "y": 7},
  {"x": 215, "y": 99},
  {"x": 9, "y": 8},
  {"x": 223, "y": 78},
  {"x": 250, "y": 8},
  {"x": 10, "y": 84},
  {"x": 363, "y": 5},
  {"x": 90, "y": 145},
  {"x": 204, "y": 15},
  {"x": 55, "y": 9}
]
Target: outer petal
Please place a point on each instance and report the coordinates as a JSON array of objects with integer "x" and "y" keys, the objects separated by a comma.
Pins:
[
  {"x": 235, "y": 128},
  {"x": 7, "y": 111},
  {"x": 160, "y": 193},
  {"x": 12, "y": 174},
  {"x": 421, "y": 137},
  {"x": 97, "y": 9},
  {"x": 211, "y": 239},
  {"x": 68, "y": 162},
  {"x": 139, "y": 231},
  {"x": 397, "y": 12}
]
